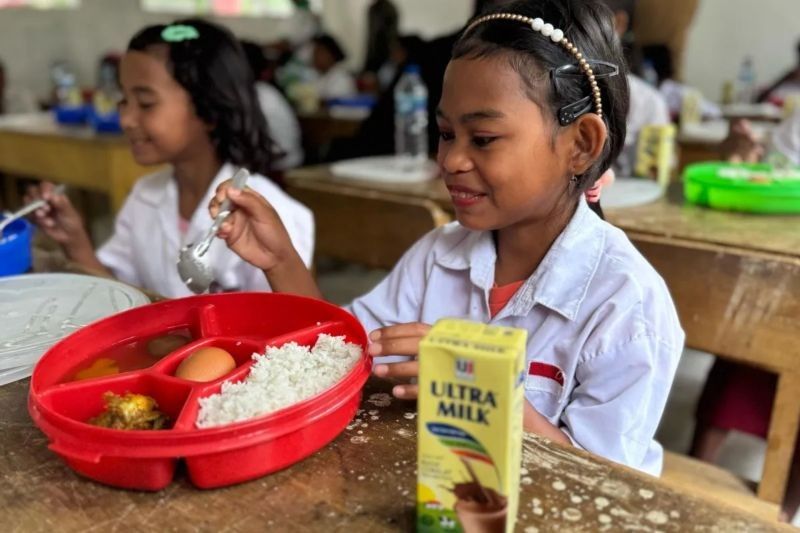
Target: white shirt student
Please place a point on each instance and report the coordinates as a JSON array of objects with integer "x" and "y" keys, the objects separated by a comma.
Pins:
[
  {"x": 283, "y": 125},
  {"x": 147, "y": 256},
  {"x": 337, "y": 82},
  {"x": 602, "y": 327},
  {"x": 647, "y": 107}
]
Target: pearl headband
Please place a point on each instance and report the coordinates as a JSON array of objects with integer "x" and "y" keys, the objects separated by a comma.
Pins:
[{"x": 569, "y": 113}]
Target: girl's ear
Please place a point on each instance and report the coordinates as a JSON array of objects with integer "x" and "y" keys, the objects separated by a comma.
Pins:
[{"x": 589, "y": 136}]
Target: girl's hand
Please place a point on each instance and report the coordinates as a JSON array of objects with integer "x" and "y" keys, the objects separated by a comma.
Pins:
[
  {"x": 402, "y": 339},
  {"x": 58, "y": 219},
  {"x": 253, "y": 230},
  {"x": 593, "y": 194}
]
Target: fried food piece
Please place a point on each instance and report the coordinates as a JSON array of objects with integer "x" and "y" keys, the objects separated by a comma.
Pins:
[{"x": 131, "y": 411}]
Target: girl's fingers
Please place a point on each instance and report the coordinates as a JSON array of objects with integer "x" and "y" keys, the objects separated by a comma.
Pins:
[
  {"x": 395, "y": 346},
  {"x": 408, "y": 369},
  {"x": 406, "y": 392},
  {"x": 411, "y": 329}
]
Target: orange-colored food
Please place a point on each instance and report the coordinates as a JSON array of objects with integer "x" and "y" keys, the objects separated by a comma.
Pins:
[{"x": 99, "y": 368}]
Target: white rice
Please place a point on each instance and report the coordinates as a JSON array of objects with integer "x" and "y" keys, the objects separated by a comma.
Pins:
[{"x": 279, "y": 378}]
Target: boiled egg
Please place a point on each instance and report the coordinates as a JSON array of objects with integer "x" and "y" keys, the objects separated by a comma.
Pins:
[{"x": 206, "y": 364}]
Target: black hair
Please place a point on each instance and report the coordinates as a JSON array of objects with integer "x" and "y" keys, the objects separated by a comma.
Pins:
[
  {"x": 484, "y": 5},
  {"x": 331, "y": 45},
  {"x": 255, "y": 58},
  {"x": 588, "y": 24},
  {"x": 213, "y": 69}
]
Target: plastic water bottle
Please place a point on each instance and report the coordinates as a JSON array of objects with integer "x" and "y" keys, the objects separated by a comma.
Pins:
[
  {"x": 649, "y": 73},
  {"x": 747, "y": 81},
  {"x": 411, "y": 119}
]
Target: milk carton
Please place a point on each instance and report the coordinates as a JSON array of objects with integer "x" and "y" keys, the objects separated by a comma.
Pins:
[{"x": 470, "y": 427}]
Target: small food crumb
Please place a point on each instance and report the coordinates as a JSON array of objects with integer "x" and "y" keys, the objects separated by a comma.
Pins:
[
  {"x": 559, "y": 485},
  {"x": 601, "y": 503},
  {"x": 361, "y": 478},
  {"x": 527, "y": 481},
  {"x": 571, "y": 515},
  {"x": 646, "y": 494},
  {"x": 657, "y": 517},
  {"x": 604, "y": 519}
]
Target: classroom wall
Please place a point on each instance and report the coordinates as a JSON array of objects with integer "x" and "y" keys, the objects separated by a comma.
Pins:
[
  {"x": 30, "y": 40},
  {"x": 725, "y": 31}
]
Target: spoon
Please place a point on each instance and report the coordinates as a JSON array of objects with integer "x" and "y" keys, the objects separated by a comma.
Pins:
[
  {"x": 193, "y": 263},
  {"x": 30, "y": 208}
]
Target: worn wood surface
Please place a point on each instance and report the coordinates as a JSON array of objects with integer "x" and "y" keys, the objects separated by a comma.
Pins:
[
  {"x": 363, "y": 481},
  {"x": 35, "y": 147}
]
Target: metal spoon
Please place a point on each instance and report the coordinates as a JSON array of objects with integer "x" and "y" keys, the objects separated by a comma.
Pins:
[
  {"x": 193, "y": 263},
  {"x": 30, "y": 208}
]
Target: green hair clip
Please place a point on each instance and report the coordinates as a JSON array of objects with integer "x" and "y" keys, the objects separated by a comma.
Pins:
[{"x": 177, "y": 33}]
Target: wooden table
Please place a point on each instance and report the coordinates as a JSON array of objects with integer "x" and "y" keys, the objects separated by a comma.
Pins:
[
  {"x": 363, "y": 481},
  {"x": 34, "y": 146},
  {"x": 735, "y": 279}
]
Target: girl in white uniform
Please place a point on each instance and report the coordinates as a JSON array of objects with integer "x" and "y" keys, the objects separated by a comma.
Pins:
[
  {"x": 188, "y": 101},
  {"x": 530, "y": 117}
]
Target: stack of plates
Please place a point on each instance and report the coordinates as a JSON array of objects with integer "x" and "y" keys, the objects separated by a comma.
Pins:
[{"x": 38, "y": 310}]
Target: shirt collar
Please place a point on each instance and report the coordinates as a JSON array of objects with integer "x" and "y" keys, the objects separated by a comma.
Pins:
[{"x": 562, "y": 279}]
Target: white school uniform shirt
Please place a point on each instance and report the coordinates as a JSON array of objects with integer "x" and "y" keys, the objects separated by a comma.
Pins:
[
  {"x": 283, "y": 125},
  {"x": 336, "y": 83},
  {"x": 143, "y": 251},
  {"x": 603, "y": 335}
]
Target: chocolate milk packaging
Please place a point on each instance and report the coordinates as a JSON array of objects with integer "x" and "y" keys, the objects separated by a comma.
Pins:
[{"x": 470, "y": 427}]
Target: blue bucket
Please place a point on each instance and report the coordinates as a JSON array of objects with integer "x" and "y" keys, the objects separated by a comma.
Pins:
[{"x": 15, "y": 248}]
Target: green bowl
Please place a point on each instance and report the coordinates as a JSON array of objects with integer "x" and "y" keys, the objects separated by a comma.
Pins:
[{"x": 750, "y": 188}]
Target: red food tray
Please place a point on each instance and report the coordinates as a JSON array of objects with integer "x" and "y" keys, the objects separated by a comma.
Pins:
[{"x": 241, "y": 323}]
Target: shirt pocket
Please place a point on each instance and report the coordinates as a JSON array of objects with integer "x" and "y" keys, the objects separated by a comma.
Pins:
[{"x": 544, "y": 388}]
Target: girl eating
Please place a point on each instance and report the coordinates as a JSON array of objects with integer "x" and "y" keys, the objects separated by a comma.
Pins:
[{"x": 532, "y": 113}]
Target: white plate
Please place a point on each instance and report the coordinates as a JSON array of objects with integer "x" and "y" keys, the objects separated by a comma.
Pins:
[
  {"x": 10, "y": 375},
  {"x": 385, "y": 169},
  {"x": 630, "y": 192},
  {"x": 38, "y": 310}
]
